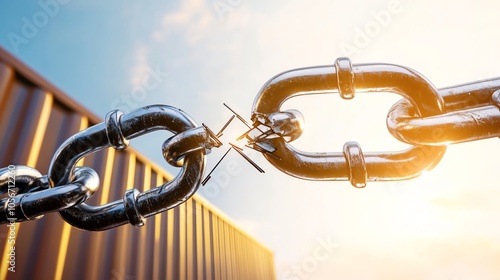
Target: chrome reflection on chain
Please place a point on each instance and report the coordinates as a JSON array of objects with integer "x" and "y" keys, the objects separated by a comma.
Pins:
[
  {"x": 426, "y": 118},
  {"x": 352, "y": 164},
  {"x": 32, "y": 196},
  {"x": 472, "y": 121},
  {"x": 116, "y": 132}
]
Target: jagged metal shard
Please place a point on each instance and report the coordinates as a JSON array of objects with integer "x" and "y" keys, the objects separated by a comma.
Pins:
[
  {"x": 257, "y": 140},
  {"x": 240, "y": 151}
]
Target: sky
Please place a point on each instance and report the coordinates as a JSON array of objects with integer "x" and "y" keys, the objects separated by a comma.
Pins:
[{"x": 200, "y": 54}]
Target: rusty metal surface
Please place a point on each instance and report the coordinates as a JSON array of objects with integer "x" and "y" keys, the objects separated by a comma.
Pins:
[{"x": 191, "y": 241}]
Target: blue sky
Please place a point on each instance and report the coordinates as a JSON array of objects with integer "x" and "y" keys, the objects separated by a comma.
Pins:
[{"x": 200, "y": 54}]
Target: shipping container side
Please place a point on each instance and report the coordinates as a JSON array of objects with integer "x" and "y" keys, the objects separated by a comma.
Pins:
[{"x": 192, "y": 241}]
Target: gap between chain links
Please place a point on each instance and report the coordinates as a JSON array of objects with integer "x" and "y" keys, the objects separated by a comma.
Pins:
[{"x": 426, "y": 118}]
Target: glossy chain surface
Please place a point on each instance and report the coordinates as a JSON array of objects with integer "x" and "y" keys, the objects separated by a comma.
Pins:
[{"x": 426, "y": 118}]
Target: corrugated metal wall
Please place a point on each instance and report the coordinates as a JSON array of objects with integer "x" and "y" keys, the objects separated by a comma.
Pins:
[{"x": 192, "y": 241}]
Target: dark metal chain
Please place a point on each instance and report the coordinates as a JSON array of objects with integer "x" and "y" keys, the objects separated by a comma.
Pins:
[
  {"x": 66, "y": 187},
  {"x": 426, "y": 118},
  {"x": 29, "y": 196}
]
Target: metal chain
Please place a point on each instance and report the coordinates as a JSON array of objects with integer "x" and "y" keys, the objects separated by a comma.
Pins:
[
  {"x": 117, "y": 130},
  {"x": 66, "y": 186},
  {"x": 426, "y": 118},
  {"x": 29, "y": 195}
]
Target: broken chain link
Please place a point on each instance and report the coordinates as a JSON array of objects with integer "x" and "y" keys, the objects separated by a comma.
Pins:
[
  {"x": 426, "y": 118},
  {"x": 66, "y": 186}
]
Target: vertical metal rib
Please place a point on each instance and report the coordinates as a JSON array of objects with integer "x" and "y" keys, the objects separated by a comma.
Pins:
[
  {"x": 6, "y": 77},
  {"x": 95, "y": 254},
  {"x": 81, "y": 123},
  {"x": 27, "y": 153},
  {"x": 182, "y": 241},
  {"x": 172, "y": 243},
  {"x": 145, "y": 268},
  {"x": 217, "y": 252},
  {"x": 159, "y": 252},
  {"x": 41, "y": 109},
  {"x": 208, "y": 244},
  {"x": 200, "y": 256},
  {"x": 190, "y": 246}
]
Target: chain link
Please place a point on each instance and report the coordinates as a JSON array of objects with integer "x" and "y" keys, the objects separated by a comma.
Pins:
[
  {"x": 29, "y": 195},
  {"x": 352, "y": 164},
  {"x": 116, "y": 132},
  {"x": 426, "y": 118},
  {"x": 470, "y": 122}
]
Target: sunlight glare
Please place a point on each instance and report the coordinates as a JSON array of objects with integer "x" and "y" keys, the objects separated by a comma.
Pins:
[{"x": 417, "y": 214}]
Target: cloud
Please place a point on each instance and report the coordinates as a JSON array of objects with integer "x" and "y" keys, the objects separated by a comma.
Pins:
[
  {"x": 198, "y": 20},
  {"x": 140, "y": 68},
  {"x": 192, "y": 21}
]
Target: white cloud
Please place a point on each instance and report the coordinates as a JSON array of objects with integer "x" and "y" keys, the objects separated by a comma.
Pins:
[
  {"x": 192, "y": 20},
  {"x": 140, "y": 68},
  {"x": 197, "y": 20}
]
